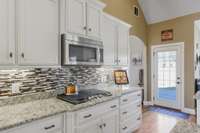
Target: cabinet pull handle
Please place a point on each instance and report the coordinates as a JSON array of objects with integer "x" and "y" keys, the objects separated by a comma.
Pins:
[
  {"x": 104, "y": 124},
  {"x": 113, "y": 106},
  {"x": 85, "y": 28},
  {"x": 138, "y": 118},
  {"x": 22, "y": 55},
  {"x": 125, "y": 100},
  {"x": 100, "y": 126},
  {"x": 125, "y": 112},
  {"x": 124, "y": 128},
  {"x": 11, "y": 54},
  {"x": 138, "y": 95},
  {"x": 49, "y": 127},
  {"x": 87, "y": 116},
  {"x": 90, "y": 29}
]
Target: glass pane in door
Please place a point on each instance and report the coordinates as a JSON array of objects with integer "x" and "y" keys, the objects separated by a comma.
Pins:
[{"x": 166, "y": 75}]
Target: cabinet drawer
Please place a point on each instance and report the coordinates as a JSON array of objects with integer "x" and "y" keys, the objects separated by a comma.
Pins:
[
  {"x": 128, "y": 98},
  {"x": 93, "y": 112},
  {"x": 133, "y": 109},
  {"x": 48, "y": 125},
  {"x": 130, "y": 125}
]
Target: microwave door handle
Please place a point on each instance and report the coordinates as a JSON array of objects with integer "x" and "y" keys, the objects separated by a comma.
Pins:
[{"x": 99, "y": 56}]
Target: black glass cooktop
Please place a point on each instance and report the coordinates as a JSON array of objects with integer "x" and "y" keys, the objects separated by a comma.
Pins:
[{"x": 84, "y": 96}]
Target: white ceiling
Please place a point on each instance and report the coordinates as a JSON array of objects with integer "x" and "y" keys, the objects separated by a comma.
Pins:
[{"x": 162, "y": 10}]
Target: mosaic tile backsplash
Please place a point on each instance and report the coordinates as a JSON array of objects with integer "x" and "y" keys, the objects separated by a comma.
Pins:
[{"x": 43, "y": 79}]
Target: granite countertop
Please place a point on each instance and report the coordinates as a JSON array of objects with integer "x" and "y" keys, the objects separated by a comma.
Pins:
[
  {"x": 20, "y": 110},
  {"x": 18, "y": 114},
  {"x": 185, "y": 127}
]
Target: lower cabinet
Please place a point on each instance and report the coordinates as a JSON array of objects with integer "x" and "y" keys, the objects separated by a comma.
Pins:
[
  {"x": 91, "y": 127},
  {"x": 52, "y": 124}
]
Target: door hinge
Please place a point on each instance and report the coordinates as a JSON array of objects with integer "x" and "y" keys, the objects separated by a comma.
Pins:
[{"x": 153, "y": 98}]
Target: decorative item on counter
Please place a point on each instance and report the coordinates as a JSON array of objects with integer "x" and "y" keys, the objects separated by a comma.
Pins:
[
  {"x": 141, "y": 78},
  {"x": 121, "y": 77},
  {"x": 71, "y": 89}
]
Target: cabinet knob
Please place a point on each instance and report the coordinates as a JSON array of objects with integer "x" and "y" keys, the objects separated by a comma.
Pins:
[
  {"x": 11, "y": 54},
  {"x": 90, "y": 29},
  {"x": 22, "y": 55},
  {"x": 104, "y": 124},
  {"x": 85, "y": 28}
]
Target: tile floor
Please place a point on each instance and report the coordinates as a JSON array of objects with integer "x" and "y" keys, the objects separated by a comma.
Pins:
[{"x": 156, "y": 122}]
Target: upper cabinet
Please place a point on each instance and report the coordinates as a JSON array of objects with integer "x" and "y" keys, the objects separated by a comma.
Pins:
[
  {"x": 115, "y": 36},
  {"x": 29, "y": 32},
  {"x": 82, "y": 17},
  {"x": 37, "y": 32},
  {"x": 7, "y": 32}
]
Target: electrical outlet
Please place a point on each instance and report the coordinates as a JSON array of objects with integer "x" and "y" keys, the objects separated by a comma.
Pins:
[{"x": 15, "y": 88}]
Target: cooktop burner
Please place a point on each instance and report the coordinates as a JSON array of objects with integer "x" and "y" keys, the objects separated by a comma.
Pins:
[{"x": 84, "y": 96}]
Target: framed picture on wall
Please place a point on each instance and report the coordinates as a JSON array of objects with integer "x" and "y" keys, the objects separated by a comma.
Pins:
[
  {"x": 121, "y": 77},
  {"x": 167, "y": 35}
]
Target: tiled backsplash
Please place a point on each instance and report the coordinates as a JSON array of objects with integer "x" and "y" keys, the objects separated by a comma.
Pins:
[{"x": 43, "y": 79}]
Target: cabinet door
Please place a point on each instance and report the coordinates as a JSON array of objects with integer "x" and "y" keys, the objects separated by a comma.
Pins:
[
  {"x": 109, "y": 37},
  {"x": 123, "y": 42},
  {"x": 38, "y": 32},
  {"x": 7, "y": 32},
  {"x": 76, "y": 16},
  {"x": 111, "y": 122},
  {"x": 93, "y": 20},
  {"x": 90, "y": 127}
]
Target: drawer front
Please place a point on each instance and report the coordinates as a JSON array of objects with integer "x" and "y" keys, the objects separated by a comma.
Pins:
[
  {"x": 128, "y": 98},
  {"x": 48, "y": 125},
  {"x": 130, "y": 125},
  {"x": 133, "y": 109},
  {"x": 93, "y": 112}
]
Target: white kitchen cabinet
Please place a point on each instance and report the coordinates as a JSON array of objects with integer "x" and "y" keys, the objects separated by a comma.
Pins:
[
  {"x": 76, "y": 19},
  {"x": 7, "y": 32},
  {"x": 109, "y": 36},
  {"x": 111, "y": 122},
  {"x": 94, "y": 13},
  {"x": 91, "y": 127},
  {"x": 123, "y": 44},
  {"x": 82, "y": 17},
  {"x": 115, "y": 36},
  {"x": 38, "y": 32},
  {"x": 52, "y": 124}
]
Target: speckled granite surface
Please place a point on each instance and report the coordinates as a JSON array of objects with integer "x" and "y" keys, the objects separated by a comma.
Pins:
[
  {"x": 20, "y": 110},
  {"x": 185, "y": 127},
  {"x": 18, "y": 114}
]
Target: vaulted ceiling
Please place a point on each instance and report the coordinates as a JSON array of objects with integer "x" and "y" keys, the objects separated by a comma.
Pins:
[{"x": 162, "y": 10}]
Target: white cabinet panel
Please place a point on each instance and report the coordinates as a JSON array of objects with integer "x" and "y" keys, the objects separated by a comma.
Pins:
[
  {"x": 37, "y": 32},
  {"x": 7, "y": 32},
  {"x": 92, "y": 127},
  {"x": 123, "y": 41},
  {"x": 111, "y": 122},
  {"x": 93, "y": 20},
  {"x": 76, "y": 16},
  {"x": 109, "y": 36}
]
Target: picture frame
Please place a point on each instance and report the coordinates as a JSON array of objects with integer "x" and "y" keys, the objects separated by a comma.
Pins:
[
  {"x": 167, "y": 35},
  {"x": 121, "y": 77}
]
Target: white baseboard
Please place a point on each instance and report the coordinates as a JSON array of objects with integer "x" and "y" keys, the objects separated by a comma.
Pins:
[
  {"x": 189, "y": 111},
  {"x": 147, "y": 103}
]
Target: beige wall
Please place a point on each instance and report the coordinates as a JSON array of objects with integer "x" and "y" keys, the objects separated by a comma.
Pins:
[
  {"x": 183, "y": 32},
  {"x": 123, "y": 9}
]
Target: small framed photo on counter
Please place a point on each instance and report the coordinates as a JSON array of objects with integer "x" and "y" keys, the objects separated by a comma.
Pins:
[{"x": 121, "y": 77}]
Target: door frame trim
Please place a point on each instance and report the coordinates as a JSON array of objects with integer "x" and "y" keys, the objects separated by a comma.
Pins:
[{"x": 182, "y": 90}]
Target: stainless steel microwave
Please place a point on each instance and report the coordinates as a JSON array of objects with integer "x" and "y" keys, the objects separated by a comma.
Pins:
[{"x": 78, "y": 50}]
